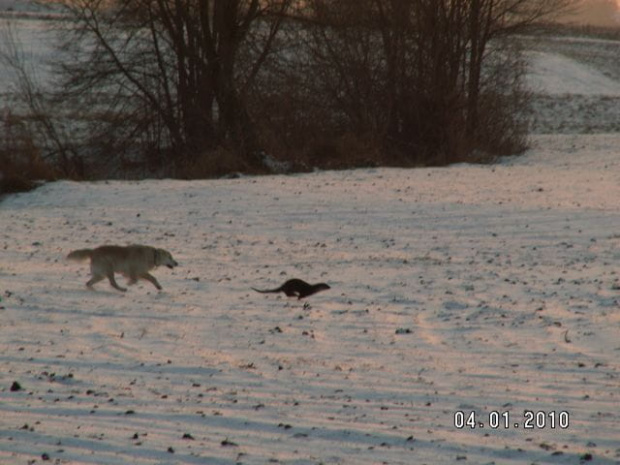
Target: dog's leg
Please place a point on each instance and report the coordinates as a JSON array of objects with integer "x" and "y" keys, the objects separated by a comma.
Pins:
[
  {"x": 150, "y": 278},
  {"x": 94, "y": 280},
  {"x": 113, "y": 283}
]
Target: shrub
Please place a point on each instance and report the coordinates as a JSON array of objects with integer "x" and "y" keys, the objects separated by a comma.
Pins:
[{"x": 20, "y": 162}]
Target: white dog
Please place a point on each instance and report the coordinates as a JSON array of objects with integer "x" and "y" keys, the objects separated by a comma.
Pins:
[{"x": 134, "y": 262}]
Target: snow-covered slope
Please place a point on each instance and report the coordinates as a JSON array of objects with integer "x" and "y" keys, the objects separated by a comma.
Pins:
[
  {"x": 26, "y": 6},
  {"x": 576, "y": 85},
  {"x": 554, "y": 74}
]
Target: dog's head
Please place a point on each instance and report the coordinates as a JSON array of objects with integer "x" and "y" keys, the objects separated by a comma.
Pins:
[{"x": 164, "y": 258}]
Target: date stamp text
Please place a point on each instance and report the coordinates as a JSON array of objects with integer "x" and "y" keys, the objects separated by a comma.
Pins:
[{"x": 529, "y": 420}]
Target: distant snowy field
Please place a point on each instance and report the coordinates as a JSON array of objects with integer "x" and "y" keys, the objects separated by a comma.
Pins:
[
  {"x": 491, "y": 290},
  {"x": 576, "y": 85}
]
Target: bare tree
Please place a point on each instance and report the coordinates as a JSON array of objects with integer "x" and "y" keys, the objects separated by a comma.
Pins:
[
  {"x": 32, "y": 121},
  {"x": 426, "y": 68},
  {"x": 167, "y": 72}
]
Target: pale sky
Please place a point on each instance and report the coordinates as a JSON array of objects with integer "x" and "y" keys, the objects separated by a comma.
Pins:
[{"x": 598, "y": 12}]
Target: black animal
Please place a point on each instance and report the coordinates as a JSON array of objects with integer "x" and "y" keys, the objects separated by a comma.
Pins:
[{"x": 297, "y": 288}]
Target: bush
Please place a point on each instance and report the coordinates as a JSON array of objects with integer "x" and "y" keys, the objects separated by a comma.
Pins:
[
  {"x": 429, "y": 82},
  {"x": 20, "y": 162}
]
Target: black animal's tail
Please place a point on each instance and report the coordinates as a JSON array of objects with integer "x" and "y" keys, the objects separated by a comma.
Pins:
[{"x": 267, "y": 291}]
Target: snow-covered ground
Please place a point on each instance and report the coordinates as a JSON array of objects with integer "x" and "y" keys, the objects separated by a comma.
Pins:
[
  {"x": 467, "y": 289},
  {"x": 576, "y": 85},
  {"x": 485, "y": 289},
  {"x": 559, "y": 75},
  {"x": 27, "y": 6}
]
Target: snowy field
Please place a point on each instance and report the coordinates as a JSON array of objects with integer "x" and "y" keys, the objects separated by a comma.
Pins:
[
  {"x": 484, "y": 290},
  {"x": 576, "y": 85},
  {"x": 468, "y": 289}
]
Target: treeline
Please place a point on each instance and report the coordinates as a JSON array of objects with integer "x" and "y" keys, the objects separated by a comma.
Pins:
[{"x": 203, "y": 88}]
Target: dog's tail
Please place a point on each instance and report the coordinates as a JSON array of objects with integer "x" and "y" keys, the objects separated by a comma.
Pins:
[{"x": 79, "y": 255}]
